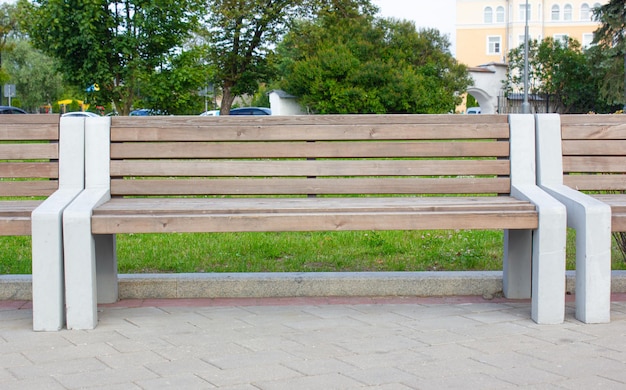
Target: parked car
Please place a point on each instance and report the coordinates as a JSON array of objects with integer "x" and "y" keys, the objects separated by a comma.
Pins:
[
  {"x": 251, "y": 111},
  {"x": 145, "y": 112},
  {"x": 473, "y": 110},
  {"x": 81, "y": 113},
  {"x": 11, "y": 110},
  {"x": 211, "y": 113}
]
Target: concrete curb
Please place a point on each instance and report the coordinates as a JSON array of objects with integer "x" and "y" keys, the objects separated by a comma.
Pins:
[{"x": 273, "y": 285}]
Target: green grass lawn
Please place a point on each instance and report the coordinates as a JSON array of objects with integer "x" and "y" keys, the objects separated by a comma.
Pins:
[{"x": 438, "y": 250}]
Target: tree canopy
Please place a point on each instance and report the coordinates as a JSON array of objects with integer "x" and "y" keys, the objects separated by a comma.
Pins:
[
  {"x": 559, "y": 71},
  {"x": 611, "y": 40},
  {"x": 353, "y": 62},
  {"x": 109, "y": 42}
]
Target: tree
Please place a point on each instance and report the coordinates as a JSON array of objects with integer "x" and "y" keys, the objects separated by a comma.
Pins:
[
  {"x": 357, "y": 63},
  {"x": 35, "y": 88},
  {"x": 109, "y": 42},
  {"x": 239, "y": 34},
  {"x": 8, "y": 27},
  {"x": 173, "y": 89},
  {"x": 559, "y": 71},
  {"x": 611, "y": 38}
]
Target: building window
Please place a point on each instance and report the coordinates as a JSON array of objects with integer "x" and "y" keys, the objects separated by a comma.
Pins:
[
  {"x": 494, "y": 45},
  {"x": 500, "y": 14},
  {"x": 562, "y": 39},
  {"x": 567, "y": 12},
  {"x": 488, "y": 15},
  {"x": 520, "y": 39},
  {"x": 556, "y": 13},
  {"x": 522, "y": 12},
  {"x": 585, "y": 12},
  {"x": 587, "y": 40}
]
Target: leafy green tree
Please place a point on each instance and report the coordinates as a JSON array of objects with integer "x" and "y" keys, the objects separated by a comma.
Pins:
[
  {"x": 357, "y": 63},
  {"x": 173, "y": 89},
  {"x": 111, "y": 43},
  {"x": 43, "y": 86},
  {"x": 8, "y": 29},
  {"x": 559, "y": 71},
  {"x": 611, "y": 39},
  {"x": 239, "y": 34}
]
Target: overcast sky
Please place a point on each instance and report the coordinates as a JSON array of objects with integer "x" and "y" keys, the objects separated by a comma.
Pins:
[{"x": 439, "y": 14}]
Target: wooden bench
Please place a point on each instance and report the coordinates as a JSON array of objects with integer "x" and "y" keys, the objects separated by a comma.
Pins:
[
  {"x": 580, "y": 154},
  {"x": 313, "y": 173},
  {"x": 41, "y": 157}
]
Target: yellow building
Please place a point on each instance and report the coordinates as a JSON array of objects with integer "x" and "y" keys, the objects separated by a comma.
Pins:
[{"x": 487, "y": 29}]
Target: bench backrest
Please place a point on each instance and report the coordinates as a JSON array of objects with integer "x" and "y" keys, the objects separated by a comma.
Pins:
[
  {"x": 594, "y": 157},
  {"x": 310, "y": 155},
  {"x": 29, "y": 153}
]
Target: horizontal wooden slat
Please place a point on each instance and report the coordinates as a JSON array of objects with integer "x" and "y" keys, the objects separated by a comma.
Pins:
[
  {"x": 118, "y": 206},
  {"x": 307, "y": 149},
  {"x": 311, "y": 168},
  {"x": 29, "y": 151},
  {"x": 29, "y": 170},
  {"x": 34, "y": 120},
  {"x": 298, "y": 120},
  {"x": 594, "y": 148},
  {"x": 19, "y": 226},
  {"x": 308, "y": 133},
  {"x": 611, "y": 164},
  {"x": 314, "y": 222},
  {"x": 311, "y": 128},
  {"x": 305, "y": 214},
  {"x": 18, "y": 132},
  {"x": 596, "y": 182},
  {"x": 311, "y": 186},
  {"x": 577, "y": 119},
  {"x": 15, "y": 216},
  {"x": 28, "y": 188}
]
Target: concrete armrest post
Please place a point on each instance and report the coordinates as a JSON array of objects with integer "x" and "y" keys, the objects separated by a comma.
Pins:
[
  {"x": 588, "y": 216},
  {"x": 47, "y": 236},
  {"x": 547, "y": 268},
  {"x": 80, "y": 246}
]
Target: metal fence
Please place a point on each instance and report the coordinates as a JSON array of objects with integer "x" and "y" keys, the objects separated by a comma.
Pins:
[{"x": 511, "y": 103}]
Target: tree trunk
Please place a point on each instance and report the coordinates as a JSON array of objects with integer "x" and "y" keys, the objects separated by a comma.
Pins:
[{"x": 227, "y": 100}]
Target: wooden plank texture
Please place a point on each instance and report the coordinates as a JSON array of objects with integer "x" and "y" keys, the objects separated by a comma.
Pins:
[
  {"x": 303, "y": 149},
  {"x": 267, "y": 168},
  {"x": 275, "y": 186}
]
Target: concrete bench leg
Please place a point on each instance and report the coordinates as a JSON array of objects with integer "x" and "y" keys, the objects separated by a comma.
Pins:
[
  {"x": 548, "y": 272},
  {"x": 48, "y": 280},
  {"x": 106, "y": 268},
  {"x": 593, "y": 269},
  {"x": 517, "y": 270}
]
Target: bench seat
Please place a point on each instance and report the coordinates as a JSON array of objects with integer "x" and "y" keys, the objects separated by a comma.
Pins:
[
  {"x": 313, "y": 173},
  {"x": 161, "y": 215}
]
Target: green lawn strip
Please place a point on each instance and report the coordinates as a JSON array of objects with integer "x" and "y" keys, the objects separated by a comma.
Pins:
[{"x": 437, "y": 250}]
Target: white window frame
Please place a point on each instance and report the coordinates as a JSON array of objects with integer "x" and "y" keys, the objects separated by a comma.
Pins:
[
  {"x": 523, "y": 10},
  {"x": 488, "y": 15},
  {"x": 587, "y": 40},
  {"x": 500, "y": 16},
  {"x": 585, "y": 12},
  {"x": 555, "y": 13},
  {"x": 563, "y": 38},
  {"x": 494, "y": 45},
  {"x": 568, "y": 12}
]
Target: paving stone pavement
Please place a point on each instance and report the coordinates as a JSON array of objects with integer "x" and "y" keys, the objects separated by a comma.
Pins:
[{"x": 307, "y": 343}]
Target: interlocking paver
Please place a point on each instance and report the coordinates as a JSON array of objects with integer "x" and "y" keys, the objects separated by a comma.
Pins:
[{"x": 252, "y": 345}]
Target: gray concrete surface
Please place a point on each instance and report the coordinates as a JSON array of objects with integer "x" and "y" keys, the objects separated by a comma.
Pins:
[
  {"x": 260, "y": 285},
  {"x": 315, "y": 343}
]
